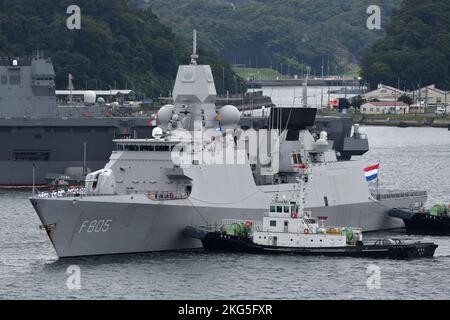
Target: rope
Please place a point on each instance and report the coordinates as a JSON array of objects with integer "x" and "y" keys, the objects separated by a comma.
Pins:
[{"x": 198, "y": 212}]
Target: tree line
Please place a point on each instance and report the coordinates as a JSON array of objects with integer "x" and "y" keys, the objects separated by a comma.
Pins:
[
  {"x": 416, "y": 49},
  {"x": 118, "y": 45}
]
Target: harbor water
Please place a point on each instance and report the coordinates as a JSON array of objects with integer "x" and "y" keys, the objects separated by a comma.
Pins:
[{"x": 410, "y": 158}]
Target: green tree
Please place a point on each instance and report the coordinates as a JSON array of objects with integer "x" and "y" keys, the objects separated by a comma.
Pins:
[
  {"x": 278, "y": 34},
  {"x": 357, "y": 102},
  {"x": 118, "y": 45},
  {"x": 406, "y": 99},
  {"x": 416, "y": 48}
]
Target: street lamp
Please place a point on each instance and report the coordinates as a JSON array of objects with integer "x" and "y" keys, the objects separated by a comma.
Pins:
[{"x": 445, "y": 103}]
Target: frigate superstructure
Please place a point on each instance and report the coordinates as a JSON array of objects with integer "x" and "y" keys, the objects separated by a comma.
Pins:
[
  {"x": 36, "y": 132},
  {"x": 201, "y": 168}
]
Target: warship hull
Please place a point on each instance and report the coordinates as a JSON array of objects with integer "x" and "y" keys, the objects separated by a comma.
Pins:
[{"x": 133, "y": 223}]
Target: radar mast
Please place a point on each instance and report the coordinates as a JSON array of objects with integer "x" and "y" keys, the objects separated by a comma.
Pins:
[{"x": 194, "y": 55}]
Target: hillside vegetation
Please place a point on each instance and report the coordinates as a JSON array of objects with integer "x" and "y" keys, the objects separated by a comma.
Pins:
[
  {"x": 278, "y": 33},
  {"x": 416, "y": 49},
  {"x": 118, "y": 45}
]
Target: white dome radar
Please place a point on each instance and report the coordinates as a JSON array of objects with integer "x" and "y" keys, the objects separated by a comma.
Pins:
[
  {"x": 165, "y": 115},
  {"x": 229, "y": 117},
  {"x": 90, "y": 97},
  {"x": 157, "y": 133}
]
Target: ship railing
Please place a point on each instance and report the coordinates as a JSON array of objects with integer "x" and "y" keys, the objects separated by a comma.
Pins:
[
  {"x": 166, "y": 195},
  {"x": 222, "y": 224},
  {"x": 70, "y": 193},
  {"x": 397, "y": 195},
  {"x": 81, "y": 192},
  {"x": 362, "y": 136}
]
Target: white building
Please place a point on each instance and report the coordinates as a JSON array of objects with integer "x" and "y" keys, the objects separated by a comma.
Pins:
[
  {"x": 385, "y": 107},
  {"x": 431, "y": 96},
  {"x": 384, "y": 93}
]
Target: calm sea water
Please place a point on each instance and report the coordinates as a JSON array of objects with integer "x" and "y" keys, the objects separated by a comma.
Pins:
[{"x": 410, "y": 158}]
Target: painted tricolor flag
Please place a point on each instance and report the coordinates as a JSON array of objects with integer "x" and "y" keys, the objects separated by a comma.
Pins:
[
  {"x": 152, "y": 121},
  {"x": 372, "y": 172}
]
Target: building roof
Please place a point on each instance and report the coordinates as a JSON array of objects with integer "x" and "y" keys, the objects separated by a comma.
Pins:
[
  {"x": 384, "y": 92},
  {"x": 433, "y": 88},
  {"x": 387, "y": 104},
  {"x": 383, "y": 86}
]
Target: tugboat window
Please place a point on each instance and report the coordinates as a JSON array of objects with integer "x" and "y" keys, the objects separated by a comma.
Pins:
[
  {"x": 279, "y": 209},
  {"x": 326, "y": 201},
  {"x": 273, "y": 223},
  {"x": 273, "y": 209},
  {"x": 286, "y": 209},
  {"x": 297, "y": 158}
]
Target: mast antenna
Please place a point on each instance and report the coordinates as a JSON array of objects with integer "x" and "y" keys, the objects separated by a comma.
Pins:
[
  {"x": 194, "y": 55},
  {"x": 305, "y": 90}
]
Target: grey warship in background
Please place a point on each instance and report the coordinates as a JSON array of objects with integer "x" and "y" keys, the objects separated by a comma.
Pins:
[
  {"x": 35, "y": 130},
  {"x": 142, "y": 201}
]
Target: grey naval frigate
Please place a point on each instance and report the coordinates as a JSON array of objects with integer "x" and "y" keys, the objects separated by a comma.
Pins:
[
  {"x": 56, "y": 139},
  {"x": 147, "y": 193}
]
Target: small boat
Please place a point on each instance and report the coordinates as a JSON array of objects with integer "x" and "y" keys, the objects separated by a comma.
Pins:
[
  {"x": 286, "y": 229},
  {"x": 435, "y": 221}
]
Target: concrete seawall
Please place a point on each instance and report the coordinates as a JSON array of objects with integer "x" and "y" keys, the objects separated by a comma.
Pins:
[{"x": 404, "y": 123}]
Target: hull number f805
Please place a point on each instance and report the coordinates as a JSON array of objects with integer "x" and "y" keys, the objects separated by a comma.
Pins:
[{"x": 95, "y": 226}]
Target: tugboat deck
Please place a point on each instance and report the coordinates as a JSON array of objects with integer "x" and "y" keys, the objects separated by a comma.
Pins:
[{"x": 382, "y": 249}]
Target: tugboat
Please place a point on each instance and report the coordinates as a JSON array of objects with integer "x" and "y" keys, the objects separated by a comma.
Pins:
[
  {"x": 288, "y": 229},
  {"x": 435, "y": 221}
]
